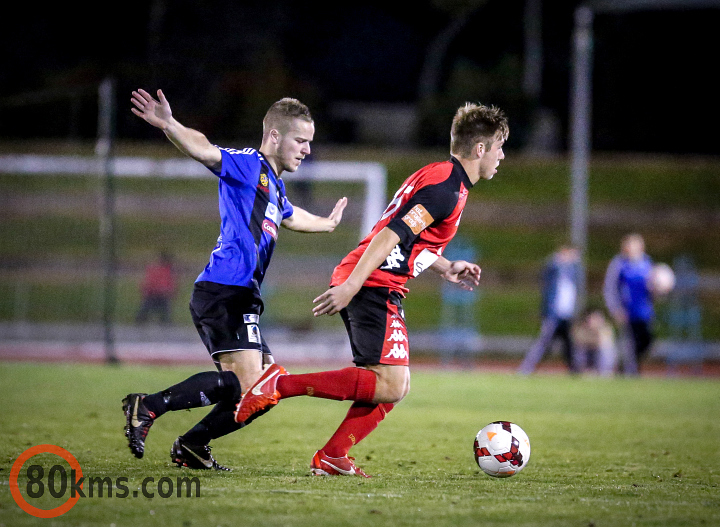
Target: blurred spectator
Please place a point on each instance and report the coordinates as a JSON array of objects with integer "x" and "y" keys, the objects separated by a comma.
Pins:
[
  {"x": 595, "y": 348},
  {"x": 560, "y": 279},
  {"x": 630, "y": 302},
  {"x": 158, "y": 289}
]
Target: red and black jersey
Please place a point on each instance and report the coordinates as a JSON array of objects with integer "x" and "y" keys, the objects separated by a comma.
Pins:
[{"x": 425, "y": 213}]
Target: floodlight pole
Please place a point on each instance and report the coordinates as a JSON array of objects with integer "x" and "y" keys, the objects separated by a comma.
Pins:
[
  {"x": 580, "y": 135},
  {"x": 104, "y": 153}
]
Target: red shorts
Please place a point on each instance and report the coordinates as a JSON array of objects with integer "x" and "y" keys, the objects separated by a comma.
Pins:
[{"x": 375, "y": 323}]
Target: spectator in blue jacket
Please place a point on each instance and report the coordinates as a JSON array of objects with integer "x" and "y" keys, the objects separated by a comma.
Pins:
[
  {"x": 629, "y": 300},
  {"x": 560, "y": 281}
]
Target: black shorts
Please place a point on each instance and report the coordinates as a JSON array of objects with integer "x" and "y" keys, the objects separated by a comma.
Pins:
[
  {"x": 227, "y": 318},
  {"x": 375, "y": 322},
  {"x": 642, "y": 336}
]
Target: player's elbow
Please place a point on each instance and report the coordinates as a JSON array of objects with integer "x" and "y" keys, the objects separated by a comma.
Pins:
[{"x": 209, "y": 156}]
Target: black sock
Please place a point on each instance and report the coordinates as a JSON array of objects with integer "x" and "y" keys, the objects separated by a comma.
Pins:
[
  {"x": 219, "y": 422},
  {"x": 202, "y": 389}
]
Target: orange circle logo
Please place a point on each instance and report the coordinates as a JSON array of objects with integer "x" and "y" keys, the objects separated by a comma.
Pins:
[{"x": 15, "y": 472}]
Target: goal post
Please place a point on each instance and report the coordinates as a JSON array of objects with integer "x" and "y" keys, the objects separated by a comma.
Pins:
[{"x": 372, "y": 176}]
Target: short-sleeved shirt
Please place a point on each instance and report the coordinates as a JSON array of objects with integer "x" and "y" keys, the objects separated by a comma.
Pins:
[
  {"x": 252, "y": 205},
  {"x": 425, "y": 213}
]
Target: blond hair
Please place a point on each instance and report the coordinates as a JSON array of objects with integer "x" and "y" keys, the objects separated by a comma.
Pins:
[
  {"x": 282, "y": 113},
  {"x": 476, "y": 123}
]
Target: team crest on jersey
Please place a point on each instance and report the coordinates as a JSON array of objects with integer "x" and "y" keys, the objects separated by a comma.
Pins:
[{"x": 264, "y": 182}]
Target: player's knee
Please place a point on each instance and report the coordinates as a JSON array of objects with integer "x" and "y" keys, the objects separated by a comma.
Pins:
[
  {"x": 393, "y": 387},
  {"x": 389, "y": 394},
  {"x": 229, "y": 383}
]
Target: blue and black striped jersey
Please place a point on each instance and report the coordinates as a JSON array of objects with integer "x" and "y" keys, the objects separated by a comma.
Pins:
[{"x": 252, "y": 205}]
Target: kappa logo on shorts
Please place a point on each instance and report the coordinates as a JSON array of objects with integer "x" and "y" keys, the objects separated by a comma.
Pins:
[
  {"x": 396, "y": 324},
  {"x": 398, "y": 351},
  {"x": 397, "y": 336}
]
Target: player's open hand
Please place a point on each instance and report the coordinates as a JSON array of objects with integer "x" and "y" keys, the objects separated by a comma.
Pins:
[
  {"x": 155, "y": 112},
  {"x": 465, "y": 274},
  {"x": 333, "y": 300},
  {"x": 337, "y": 213}
]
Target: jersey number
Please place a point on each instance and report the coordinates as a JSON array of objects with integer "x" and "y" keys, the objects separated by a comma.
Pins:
[{"x": 395, "y": 203}]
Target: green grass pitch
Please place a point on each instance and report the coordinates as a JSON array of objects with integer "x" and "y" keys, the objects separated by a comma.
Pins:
[{"x": 604, "y": 452}]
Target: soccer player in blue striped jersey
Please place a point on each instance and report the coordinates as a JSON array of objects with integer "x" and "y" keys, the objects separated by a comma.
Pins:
[{"x": 226, "y": 303}]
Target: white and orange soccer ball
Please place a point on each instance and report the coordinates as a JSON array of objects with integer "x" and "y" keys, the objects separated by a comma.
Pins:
[
  {"x": 502, "y": 449},
  {"x": 662, "y": 279}
]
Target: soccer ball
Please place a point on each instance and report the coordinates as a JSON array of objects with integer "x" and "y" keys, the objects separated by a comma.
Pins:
[
  {"x": 502, "y": 449},
  {"x": 662, "y": 279}
]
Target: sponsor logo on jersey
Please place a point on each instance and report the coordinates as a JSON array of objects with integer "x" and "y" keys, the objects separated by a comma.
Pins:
[
  {"x": 251, "y": 318},
  {"x": 418, "y": 218},
  {"x": 270, "y": 228}
]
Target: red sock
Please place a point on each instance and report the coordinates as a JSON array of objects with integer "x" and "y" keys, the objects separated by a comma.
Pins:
[
  {"x": 360, "y": 420},
  {"x": 356, "y": 384}
]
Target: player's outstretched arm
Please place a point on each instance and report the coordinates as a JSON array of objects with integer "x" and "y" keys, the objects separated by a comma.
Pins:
[
  {"x": 304, "y": 221},
  {"x": 465, "y": 274},
  {"x": 336, "y": 298},
  {"x": 190, "y": 142}
]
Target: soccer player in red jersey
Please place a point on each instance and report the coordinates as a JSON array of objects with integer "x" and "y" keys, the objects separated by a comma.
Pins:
[{"x": 368, "y": 285}]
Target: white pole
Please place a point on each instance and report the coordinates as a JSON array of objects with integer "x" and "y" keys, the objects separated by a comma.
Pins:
[
  {"x": 580, "y": 130},
  {"x": 103, "y": 151},
  {"x": 533, "y": 54}
]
